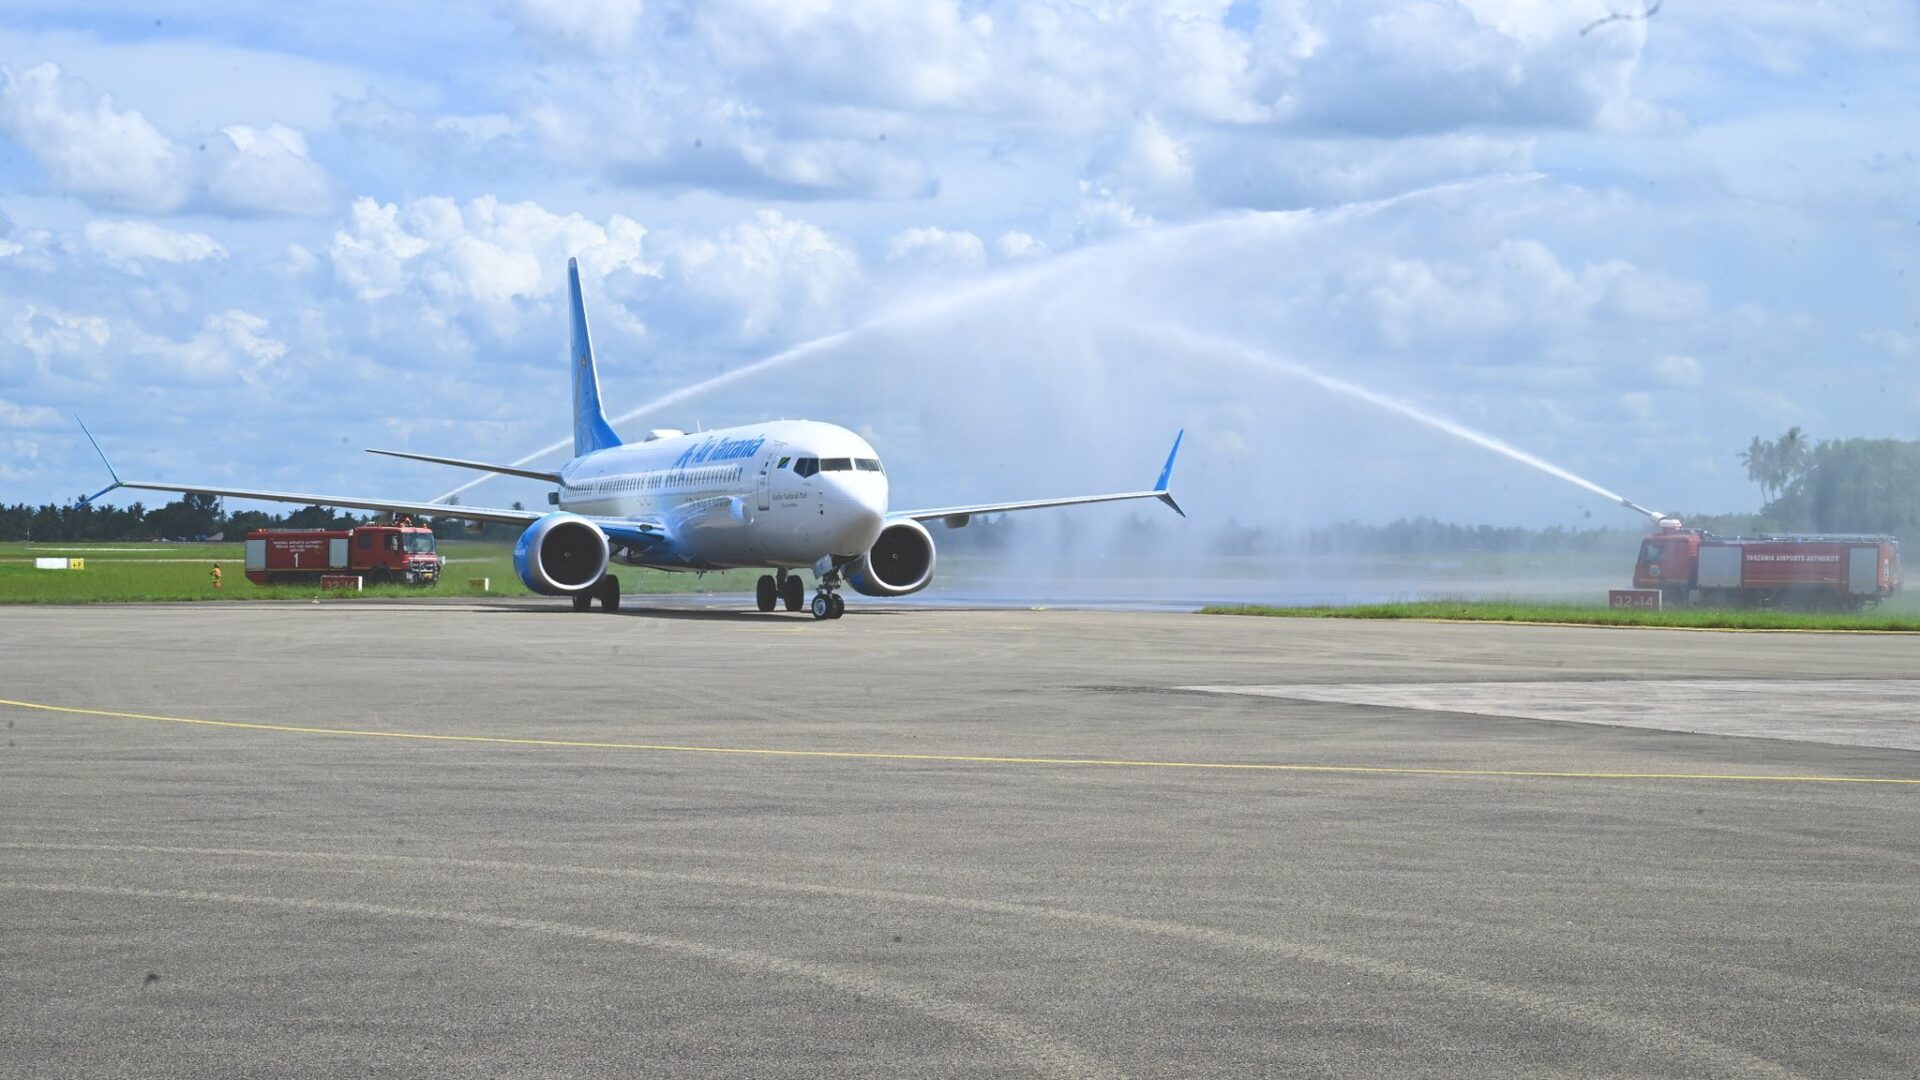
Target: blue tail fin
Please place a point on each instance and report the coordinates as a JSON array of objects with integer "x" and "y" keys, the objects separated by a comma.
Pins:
[{"x": 590, "y": 428}]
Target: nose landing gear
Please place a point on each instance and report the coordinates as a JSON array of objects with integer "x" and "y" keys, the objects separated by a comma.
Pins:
[{"x": 827, "y": 603}]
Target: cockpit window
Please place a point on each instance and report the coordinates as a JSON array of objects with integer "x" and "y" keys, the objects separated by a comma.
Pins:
[
  {"x": 806, "y": 466},
  {"x": 867, "y": 464},
  {"x": 836, "y": 464}
]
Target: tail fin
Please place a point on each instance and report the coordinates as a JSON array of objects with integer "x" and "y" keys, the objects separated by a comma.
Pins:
[{"x": 590, "y": 428}]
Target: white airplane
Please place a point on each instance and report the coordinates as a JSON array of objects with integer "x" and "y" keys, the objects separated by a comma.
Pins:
[{"x": 784, "y": 495}]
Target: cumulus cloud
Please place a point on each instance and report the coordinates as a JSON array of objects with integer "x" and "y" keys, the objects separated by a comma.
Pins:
[
  {"x": 481, "y": 257},
  {"x": 936, "y": 248},
  {"x": 1388, "y": 68},
  {"x": 24, "y": 417},
  {"x": 770, "y": 276},
  {"x": 229, "y": 344},
  {"x": 113, "y": 157},
  {"x": 1145, "y": 161},
  {"x": 89, "y": 146},
  {"x": 1014, "y": 244},
  {"x": 129, "y": 241},
  {"x": 265, "y": 170},
  {"x": 1517, "y": 286}
]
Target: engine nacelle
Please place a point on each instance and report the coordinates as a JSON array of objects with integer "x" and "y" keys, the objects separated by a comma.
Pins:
[
  {"x": 561, "y": 554},
  {"x": 900, "y": 562}
]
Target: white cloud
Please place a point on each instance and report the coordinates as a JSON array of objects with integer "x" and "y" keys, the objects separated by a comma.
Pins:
[
  {"x": 937, "y": 249},
  {"x": 265, "y": 170},
  {"x": 89, "y": 147},
  {"x": 47, "y": 333},
  {"x": 231, "y": 344},
  {"x": 128, "y": 241},
  {"x": 1014, "y": 244},
  {"x": 116, "y": 158},
  {"x": 25, "y": 417},
  {"x": 1893, "y": 342},
  {"x": 1385, "y": 67},
  {"x": 480, "y": 258},
  {"x": 1146, "y": 158},
  {"x": 1678, "y": 371},
  {"x": 770, "y": 276}
]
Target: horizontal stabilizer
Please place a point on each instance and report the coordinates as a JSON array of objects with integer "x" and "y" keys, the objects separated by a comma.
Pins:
[{"x": 459, "y": 463}]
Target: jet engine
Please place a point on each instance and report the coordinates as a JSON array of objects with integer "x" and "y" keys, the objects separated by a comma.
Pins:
[
  {"x": 561, "y": 555},
  {"x": 900, "y": 562}
]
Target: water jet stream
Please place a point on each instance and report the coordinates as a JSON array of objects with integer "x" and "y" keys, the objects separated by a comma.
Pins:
[
  {"x": 1262, "y": 359},
  {"x": 1084, "y": 261}
]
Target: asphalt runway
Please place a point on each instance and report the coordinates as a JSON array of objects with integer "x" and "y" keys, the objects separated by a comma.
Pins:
[{"x": 429, "y": 839}]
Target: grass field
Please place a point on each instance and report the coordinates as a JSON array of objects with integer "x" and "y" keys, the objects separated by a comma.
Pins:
[
  {"x": 123, "y": 572},
  {"x": 1902, "y": 615}
]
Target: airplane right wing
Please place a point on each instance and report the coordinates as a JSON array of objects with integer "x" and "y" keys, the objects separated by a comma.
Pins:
[{"x": 959, "y": 515}]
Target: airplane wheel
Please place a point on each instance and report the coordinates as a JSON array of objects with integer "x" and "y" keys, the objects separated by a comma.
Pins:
[
  {"x": 582, "y": 601},
  {"x": 822, "y": 607},
  {"x": 839, "y": 606},
  {"x": 610, "y": 594},
  {"x": 764, "y": 593},
  {"x": 796, "y": 595}
]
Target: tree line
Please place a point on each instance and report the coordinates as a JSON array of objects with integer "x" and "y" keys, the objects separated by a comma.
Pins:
[
  {"x": 1837, "y": 485},
  {"x": 193, "y": 517}
]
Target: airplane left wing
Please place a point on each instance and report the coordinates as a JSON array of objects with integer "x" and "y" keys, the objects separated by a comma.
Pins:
[
  {"x": 385, "y": 506},
  {"x": 959, "y": 515}
]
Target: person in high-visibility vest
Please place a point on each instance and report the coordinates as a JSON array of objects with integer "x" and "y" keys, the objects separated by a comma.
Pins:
[{"x": 216, "y": 575}]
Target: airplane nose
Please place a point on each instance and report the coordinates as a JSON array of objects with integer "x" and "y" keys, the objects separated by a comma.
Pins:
[{"x": 862, "y": 510}]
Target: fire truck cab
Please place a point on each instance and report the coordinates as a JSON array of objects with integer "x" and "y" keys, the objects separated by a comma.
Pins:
[{"x": 1667, "y": 560}]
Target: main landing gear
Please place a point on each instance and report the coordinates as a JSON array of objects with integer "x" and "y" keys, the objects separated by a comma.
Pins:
[
  {"x": 607, "y": 592},
  {"x": 786, "y": 589}
]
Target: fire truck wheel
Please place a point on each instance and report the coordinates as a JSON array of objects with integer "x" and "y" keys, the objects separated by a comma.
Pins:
[
  {"x": 582, "y": 601},
  {"x": 610, "y": 594},
  {"x": 795, "y": 596},
  {"x": 764, "y": 593}
]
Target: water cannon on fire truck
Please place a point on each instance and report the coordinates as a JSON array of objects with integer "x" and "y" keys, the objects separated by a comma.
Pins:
[{"x": 1812, "y": 571}]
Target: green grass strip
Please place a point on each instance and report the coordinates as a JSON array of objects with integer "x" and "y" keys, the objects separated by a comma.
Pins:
[{"x": 1587, "y": 615}]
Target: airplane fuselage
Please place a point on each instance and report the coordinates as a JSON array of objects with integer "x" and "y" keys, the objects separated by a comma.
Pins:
[{"x": 780, "y": 494}]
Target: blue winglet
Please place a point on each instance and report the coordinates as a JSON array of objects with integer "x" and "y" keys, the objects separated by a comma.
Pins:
[
  {"x": 87, "y": 500},
  {"x": 1166, "y": 475}
]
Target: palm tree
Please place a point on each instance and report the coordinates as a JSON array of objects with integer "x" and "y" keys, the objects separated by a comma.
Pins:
[
  {"x": 1794, "y": 455},
  {"x": 1775, "y": 464},
  {"x": 1759, "y": 458}
]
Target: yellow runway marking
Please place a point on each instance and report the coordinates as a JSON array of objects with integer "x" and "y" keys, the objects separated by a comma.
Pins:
[{"x": 967, "y": 759}]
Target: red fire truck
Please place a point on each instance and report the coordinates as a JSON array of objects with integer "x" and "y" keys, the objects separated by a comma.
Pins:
[
  {"x": 1822, "y": 573},
  {"x": 400, "y": 554}
]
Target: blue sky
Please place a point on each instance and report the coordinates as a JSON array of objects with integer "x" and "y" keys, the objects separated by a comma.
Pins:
[{"x": 246, "y": 241}]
